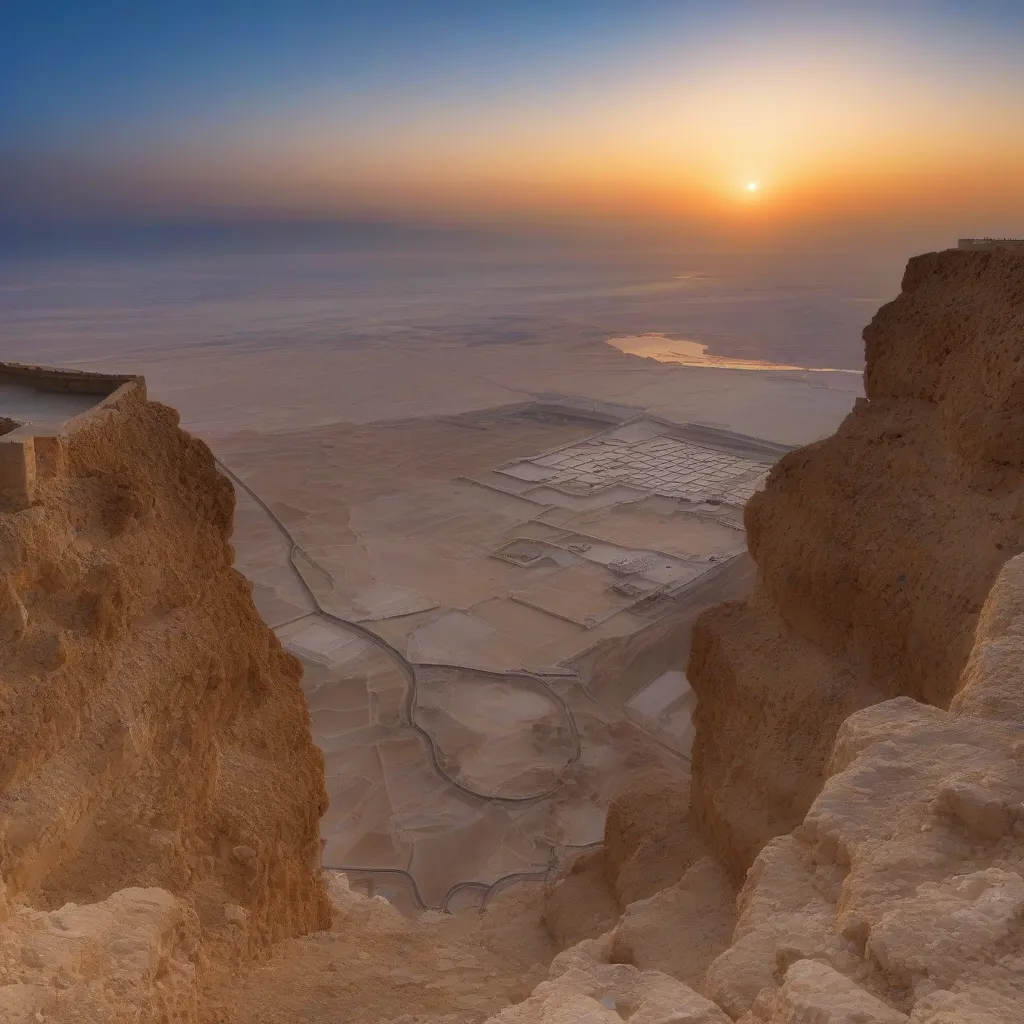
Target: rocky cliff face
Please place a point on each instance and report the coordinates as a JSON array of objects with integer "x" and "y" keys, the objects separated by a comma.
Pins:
[
  {"x": 159, "y": 791},
  {"x": 904, "y": 882},
  {"x": 860, "y": 734},
  {"x": 859, "y": 770},
  {"x": 875, "y": 549}
]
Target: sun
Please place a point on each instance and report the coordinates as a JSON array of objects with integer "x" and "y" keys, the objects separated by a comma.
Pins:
[{"x": 752, "y": 186}]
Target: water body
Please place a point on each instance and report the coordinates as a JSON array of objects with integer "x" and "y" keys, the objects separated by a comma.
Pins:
[
  {"x": 683, "y": 352},
  {"x": 111, "y": 299}
]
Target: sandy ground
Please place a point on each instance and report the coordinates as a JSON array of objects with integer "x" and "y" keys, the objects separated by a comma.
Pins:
[
  {"x": 509, "y": 541},
  {"x": 472, "y": 505},
  {"x": 223, "y": 390}
]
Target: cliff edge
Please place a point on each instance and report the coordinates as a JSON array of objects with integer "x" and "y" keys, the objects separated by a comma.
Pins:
[
  {"x": 860, "y": 717},
  {"x": 875, "y": 549},
  {"x": 160, "y": 794},
  {"x": 850, "y": 849},
  {"x": 860, "y": 724}
]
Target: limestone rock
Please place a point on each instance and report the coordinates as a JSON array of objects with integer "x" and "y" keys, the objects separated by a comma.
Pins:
[
  {"x": 235, "y": 915},
  {"x": 681, "y": 929},
  {"x": 876, "y": 549},
  {"x": 981, "y": 811},
  {"x": 584, "y": 988},
  {"x": 143, "y": 944},
  {"x": 650, "y": 838},
  {"x": 814, "y": 992},
  {"x": 780, "y": 913},
  {"x": 13, "y": 616},
  {"x": 933, "y": 935},
  {"x": 758, "y": 763},
  {"x": 124, "y": 775},
  {"x": 579, "y": 905},
  {"x": 889, "y": 588},
  {"x": 995, "y": 998}
]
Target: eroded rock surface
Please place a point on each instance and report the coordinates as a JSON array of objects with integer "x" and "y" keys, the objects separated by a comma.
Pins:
[
  {"x": 152, "y": 727},
  {"x": 650, "y": 841},
  {"x": 884, "y": 559},
  {"x": 875, "y": 548},
  {"x": 859, "y": 770},
  {"x": 584, "y": 987},
  {"x": 682, "y": 929}
]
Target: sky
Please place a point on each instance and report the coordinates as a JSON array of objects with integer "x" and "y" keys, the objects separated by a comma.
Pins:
[{"x": 749, "y": 121}]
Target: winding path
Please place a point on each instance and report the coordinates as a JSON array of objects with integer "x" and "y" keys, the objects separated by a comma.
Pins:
[{"x": 408, "y": 671}]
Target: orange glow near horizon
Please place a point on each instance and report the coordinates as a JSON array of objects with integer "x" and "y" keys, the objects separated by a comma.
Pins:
[{"x": 767, "y": 140}]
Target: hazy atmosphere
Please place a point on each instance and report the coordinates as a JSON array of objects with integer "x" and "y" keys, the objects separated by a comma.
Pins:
[
  {"x": 511, "y": 512},
  {"x": 871, "y": 121},
  {"x": 172, "y": 170},
  {"x": 301, "y": 171}
]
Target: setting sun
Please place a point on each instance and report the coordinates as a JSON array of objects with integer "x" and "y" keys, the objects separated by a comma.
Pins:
[{"x": 752, "y": 186}]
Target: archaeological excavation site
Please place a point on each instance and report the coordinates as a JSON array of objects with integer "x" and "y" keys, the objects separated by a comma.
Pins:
[{"x": 552, "y": 713}]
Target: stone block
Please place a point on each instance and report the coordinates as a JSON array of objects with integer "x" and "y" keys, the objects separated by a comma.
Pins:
[{"x": 17, "y": 471}]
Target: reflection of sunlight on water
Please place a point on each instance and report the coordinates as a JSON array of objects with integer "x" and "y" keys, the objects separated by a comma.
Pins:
[{"x": 693, "y": 353}]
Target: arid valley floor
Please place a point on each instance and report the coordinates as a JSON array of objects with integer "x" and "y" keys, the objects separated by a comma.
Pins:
[
  {"x": 486, "y": 557},
  {"x": 561, "y": 689}
]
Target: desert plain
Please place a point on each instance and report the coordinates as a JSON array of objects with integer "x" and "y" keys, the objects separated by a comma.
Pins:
[{"x": 483, "y": 550}]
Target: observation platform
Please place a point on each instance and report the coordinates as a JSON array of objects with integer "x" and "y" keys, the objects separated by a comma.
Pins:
[{"x": 37, "y": 405}]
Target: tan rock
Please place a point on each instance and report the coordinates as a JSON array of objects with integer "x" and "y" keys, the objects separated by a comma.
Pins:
[
  {"x": 134, "y": 750},
  {"x": 935, "y": 934},
  {"x": 876, "y": 549},
  {"x": 141, "y": 945},
  {"x": 13, "y": 616},
  {"x": 993, "y": 999},
  {"x": 619, "y": 990},
  {"x": 781, "y": 914},
  {"x": 815, "y": 992},
  {"x": 680, "y": 930},
  {"x": 650, "y": 836},
  {"x": 786, "y": 699},
  {"x": 235, "y": 915},
  {"x": 579, "y": 904}
]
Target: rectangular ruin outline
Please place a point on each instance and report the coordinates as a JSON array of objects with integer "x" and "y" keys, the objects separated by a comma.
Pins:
[{"x": 34, "y": 451}]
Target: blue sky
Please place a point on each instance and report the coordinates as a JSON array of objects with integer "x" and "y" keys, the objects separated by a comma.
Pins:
[
  {"x": 103, "y": 87},
  {"x": 69, "y": 66}
]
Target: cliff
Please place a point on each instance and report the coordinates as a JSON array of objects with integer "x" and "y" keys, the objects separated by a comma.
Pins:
[
  {"x": 904, "y": 884},
  {"x": 159, "y": 791},
  {"x": 875, "y": 550},
  {"x": 886, "y": 586},
  {"x": 850, "y": 849},
  {"x": 860, "y": 725}
]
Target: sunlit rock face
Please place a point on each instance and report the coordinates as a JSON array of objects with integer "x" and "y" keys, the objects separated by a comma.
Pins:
[
  {"x": 159, "y": 791},
  {"x": 875, "y": 547},
  {"x": 880, "y": 543},
  {"x": 888, "y": 579}
]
